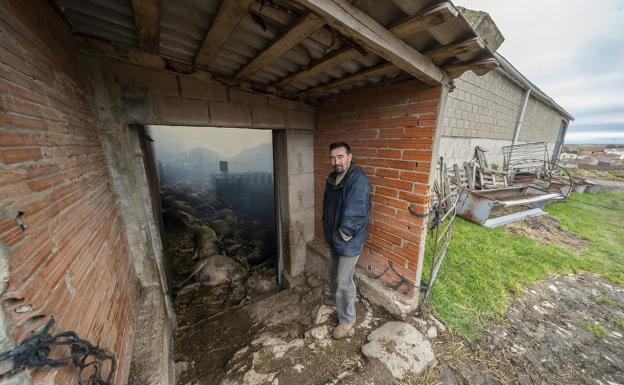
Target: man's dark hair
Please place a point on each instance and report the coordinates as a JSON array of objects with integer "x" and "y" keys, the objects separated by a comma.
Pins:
[{"x": 340, "y": 144}]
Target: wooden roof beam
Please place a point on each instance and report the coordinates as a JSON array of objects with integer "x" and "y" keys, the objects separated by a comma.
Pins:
[
  {"x": 435, "y": 55},
  {"x": 480, "y": 67},
  {"x": 227, "y": 18},
  {"x": 146, "y": 19},
  {"x": 457, "y": 49},
  {"x": 428, "y": 18},
  {"x": 302, "y": 28}
]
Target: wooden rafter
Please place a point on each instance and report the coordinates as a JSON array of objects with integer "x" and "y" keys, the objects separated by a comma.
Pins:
[
  {"x": 301, "y": 29},
  {"x": 283, "y": 18},
  {"x": 423, "y": 20},
  {"x": 479, "y": 67},
  {"x": 228, "y": 17},
  {"x": 146, "y": 16},
  {"x": 435, "y": 55},
  {"x": 457, "y": 49},
  {"x": 427, "y": 18}
]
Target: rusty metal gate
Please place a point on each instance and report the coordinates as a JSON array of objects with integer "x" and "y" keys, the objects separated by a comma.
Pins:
[{"x": 445, "y": 196}]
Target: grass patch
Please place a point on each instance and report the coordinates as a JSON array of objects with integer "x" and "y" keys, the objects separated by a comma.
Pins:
[
  {"x": 606, "y": 301},
  {"x": 597, "y": 329},
  {"x": 484, "y": 266},
  {"x": 619, "y": 323}
]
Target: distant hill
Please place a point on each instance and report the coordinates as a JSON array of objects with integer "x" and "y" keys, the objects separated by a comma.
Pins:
[{"x": 258, "y": 158}]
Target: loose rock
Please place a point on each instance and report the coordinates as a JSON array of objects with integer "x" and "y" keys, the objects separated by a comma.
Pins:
[{"x": 400, "y": 347}]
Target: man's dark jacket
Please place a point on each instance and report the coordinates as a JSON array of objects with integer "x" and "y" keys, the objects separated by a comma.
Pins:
[{"x": 346, "y": 206}]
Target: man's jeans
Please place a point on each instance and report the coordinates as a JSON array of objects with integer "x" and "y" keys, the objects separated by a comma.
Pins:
[{"x": 343, "y": 287}]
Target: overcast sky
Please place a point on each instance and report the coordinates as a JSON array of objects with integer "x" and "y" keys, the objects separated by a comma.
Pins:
[
  {"x": 226, "y": 141},
  {"x": 573, "y": 50}
]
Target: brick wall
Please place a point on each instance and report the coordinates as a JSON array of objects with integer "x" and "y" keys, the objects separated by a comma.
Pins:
[
  {"x": 71, "y": 262},
  {"x": 391, "y": 130}
]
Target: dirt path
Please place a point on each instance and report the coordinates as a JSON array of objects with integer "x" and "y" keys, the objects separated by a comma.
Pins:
[{"x": 565, "y": 330}]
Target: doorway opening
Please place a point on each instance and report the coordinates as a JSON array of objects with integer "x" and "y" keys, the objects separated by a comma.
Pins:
[{"x": 219, "y": 233}]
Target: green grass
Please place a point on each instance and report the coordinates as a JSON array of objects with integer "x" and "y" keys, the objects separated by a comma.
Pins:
[
  {"x": 484, "y": 266},
  {"x": 619, "y": 323},
  {"x": 606, "y": 301},
  {"x": 597, "y": 329}
]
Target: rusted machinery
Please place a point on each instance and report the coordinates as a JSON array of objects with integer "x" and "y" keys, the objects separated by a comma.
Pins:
[
  {"x": 492, "y": 208},
  {"x": 527, "y": 182}
]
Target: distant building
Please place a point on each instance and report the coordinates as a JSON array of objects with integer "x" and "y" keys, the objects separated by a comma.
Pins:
[
  {"x": 568, "y": 156},
  {"x": 605, "y": 160},
  {"x": 619, "y": 152}
]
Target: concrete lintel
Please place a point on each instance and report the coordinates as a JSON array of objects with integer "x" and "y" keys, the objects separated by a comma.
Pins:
[{"x": 317, "y": 263}]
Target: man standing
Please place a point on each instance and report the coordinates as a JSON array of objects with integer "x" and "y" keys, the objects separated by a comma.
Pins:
[{"x": 346, "y": 207}]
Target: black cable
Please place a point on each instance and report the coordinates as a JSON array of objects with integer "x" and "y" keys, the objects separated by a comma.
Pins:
[{"x": 33, "y": 352}]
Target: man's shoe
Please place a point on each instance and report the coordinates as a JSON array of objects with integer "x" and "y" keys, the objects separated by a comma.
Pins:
[{"x": 342, "y": 330}]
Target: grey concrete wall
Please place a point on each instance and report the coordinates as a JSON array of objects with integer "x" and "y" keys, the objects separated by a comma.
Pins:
[
  {"x": 483, "y": 107},
  {"x": 125, "y": 94},
  {"x": 483, "y": 111},
  {"x": 300, "y": 161},
  {"x": 541, "y": 123}
]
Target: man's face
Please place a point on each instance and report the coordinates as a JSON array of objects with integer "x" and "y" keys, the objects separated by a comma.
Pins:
[{"x": 339, "y": 159}]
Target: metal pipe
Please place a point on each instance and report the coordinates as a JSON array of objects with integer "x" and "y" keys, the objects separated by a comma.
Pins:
[{"x": 521, "y": 116}]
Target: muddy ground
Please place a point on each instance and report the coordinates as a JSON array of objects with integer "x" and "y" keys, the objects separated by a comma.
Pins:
[
  {"x": 545, "y": 229},
  {"x": 564, "y": 330}
]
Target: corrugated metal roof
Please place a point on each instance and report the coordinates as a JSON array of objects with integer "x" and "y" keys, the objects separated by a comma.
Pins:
[
  {"x": 105, "y": 19},
  {"x": 184, "y": 24}
]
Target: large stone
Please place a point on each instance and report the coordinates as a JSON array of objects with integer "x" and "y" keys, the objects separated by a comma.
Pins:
[
  {"x": 400, "y": 347},
  {"x": 323, "y": 313}
]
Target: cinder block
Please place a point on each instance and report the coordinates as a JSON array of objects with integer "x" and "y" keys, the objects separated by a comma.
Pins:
[
  {"x": 156, "y": 82},
  {"x": 249, "y": 98},
  {"x": 180, "y": 111},
  {"x": 270, "y": 117},
  {"x": 229, "y": 114},
  {"x": 300, "y": 119},
  {"x": 286, "y": 104},
  {"x": 197, "y": 89}
]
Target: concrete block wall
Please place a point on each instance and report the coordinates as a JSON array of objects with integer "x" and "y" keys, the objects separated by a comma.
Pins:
[
  {"x": 391, "y": 130},
  {"x": 541, "y": 123},
  {"x": 483, "y": 106},
  {"x": 300, "y": 164},
  {"x": 483, "y": 111},
  {"x": 126, "y": 94},
  {"x": 70, "y": 260},
  {"x": 140, "y": 95}
]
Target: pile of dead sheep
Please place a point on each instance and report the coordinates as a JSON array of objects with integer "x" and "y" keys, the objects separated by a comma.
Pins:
[{"x": 211, "y": 244}]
